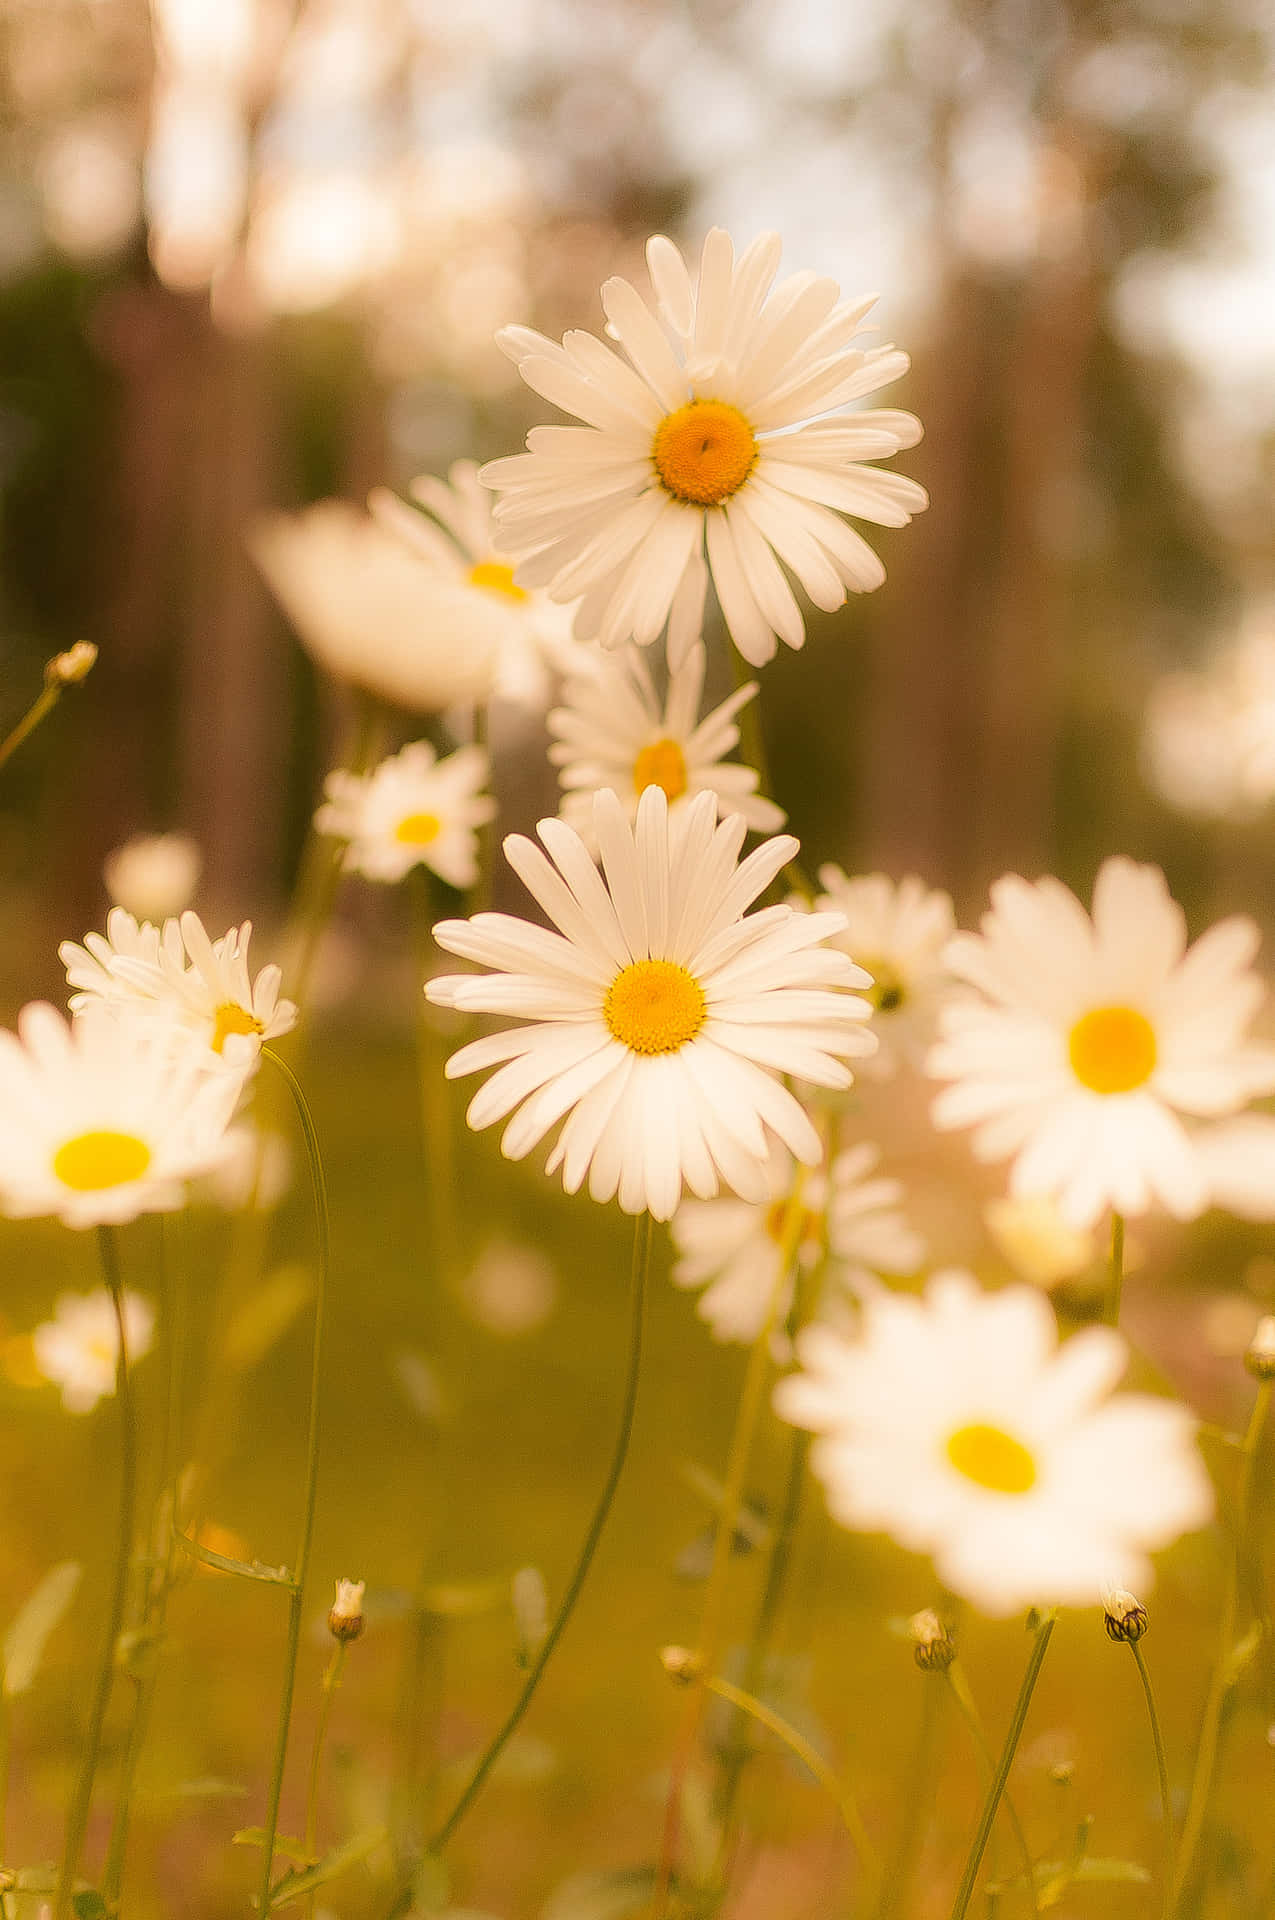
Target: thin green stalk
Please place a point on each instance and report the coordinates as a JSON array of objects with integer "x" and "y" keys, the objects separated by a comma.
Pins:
[
  {"x": 328, "y": 1685},
  {"x": 319, "y": 872},
  {"x": 296, "y": 1594},
  {"x": 78, "y": 1817},
  {"x": 1115, "y": 1272},
  {"x": 641, "y": 1272},
  {"x": 918, "y": 1798},
  {"x": 783, "y": 1729},
  {"x": 39, "y": 710},
  {"x": 960, "y": 1687},
  {"x": 752, "y": 745},
  {"x": 964, "y": 1893},
  {"x": 1166, "y": 1798},
  {"x": 1223, "y": 1674}
]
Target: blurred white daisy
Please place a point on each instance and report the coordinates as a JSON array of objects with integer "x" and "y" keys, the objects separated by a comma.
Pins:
[
  {"x": 660, "y": 1016},
  {"x": 958, "y": 1425},
  {"x": 734, "y": 1248},
  {"x": 153, "y": 875},
  {"x": 372, "y": 612},
  {"x": 78, "y": 1349},
  {"x": 412, "y": 810},
  {"x": 897, "y": 930},
  {"x": 1208, "y": 740},
  {"x": 92, "y": 969},
  {"x": 713, "y": 432},
  {"x": 455, "y": 538},
  {"x": 101, "y": 1120},
  {"x": 1088, "y": 1040},
  {"x": 613, "y": 730}
]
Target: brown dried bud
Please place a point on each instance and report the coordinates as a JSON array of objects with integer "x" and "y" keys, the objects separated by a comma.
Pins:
[{"x": 345, "y": 1621}]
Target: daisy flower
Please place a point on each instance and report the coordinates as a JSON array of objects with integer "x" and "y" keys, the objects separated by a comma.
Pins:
[
  {"x": 101, "y": 1120},
  {"x": 734, "y": 1248},
  {"x": 958, "y": 1425},
  {"x": 372, "y": 612},
  {"x": 1086, "y": 1041},
  {"x": 615, "y": 731},
  {"x": 897, "y": 930},
  {"x": 413, "y": 809},
  {"x": 456, "y": 540},
  {"x": 723, "y": 429},
  {"x": 153, "y": 875},
  {"x": 78, "y": 1350},
  {"x": 93, "y": 970},
  {"x": 660, "y": 1015}
]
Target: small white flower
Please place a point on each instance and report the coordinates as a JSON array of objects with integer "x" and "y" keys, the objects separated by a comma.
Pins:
[
  {"x": 78, "y": 1350},
  {"x": 456, "y": 539},
  {"x": 725, "y": 427},
  {"x": 93, "y": 969},
  {"x": 958, "y": 1425},
  {"x": 412, "y": 810},
  {"x": 101, "y": 1120},
  {"x": 897, "y": 931},
  {"x": 153, "y": 875},
  {"x": 613, "y": 730},
  {"x": 371, "y": 612},
  {"x": 660, "y": 1017},
  {"x": 1086, "y": 1041},
  {"x": 734, "y": 1249}
]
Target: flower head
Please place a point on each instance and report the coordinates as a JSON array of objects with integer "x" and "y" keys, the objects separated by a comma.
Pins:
[
  {"x": 78, "y": 1350},
  {"x": 958, "y": 1425},
  {"x": 153, "y": 875},
  {"x": 1086, "y": 1041},
  {"x": 93, "y": 969},
  {"x": 345, "y": 1616},
  {"x": 660, "y": 1014},
  {"x": 724, "y": 427},
  {"x": 412, "y": 810},
  {"x": 898, "y": 931},
  {"x": 614, "y": 730},
  {"x": 101, "y": 1120}
]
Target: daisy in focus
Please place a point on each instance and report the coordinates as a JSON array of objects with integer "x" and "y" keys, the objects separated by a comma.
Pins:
[
  {"x": 78, "y": 1350},
  {"x": 735, "y": 1249},
  {"x": 724, "y": 430},
  {"x": 455, "y": 539},
  {"x": 958, "y": 1425},
  {"x": 1086, "y": 1041},
  {"x": 93, "y": 969},
  {"x": 153, "y": 875},
  {"x": 102, "y": 1120},
  {"x": 413, "y": 809},
  {"x": 613, "y": 730},
  {"x": 898, "y": 930},
  {"x": 660, "y": 1014}
]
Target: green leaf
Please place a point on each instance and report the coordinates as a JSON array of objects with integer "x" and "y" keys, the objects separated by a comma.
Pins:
[
  {"x": 25, "y": 1641},
  {"x": 284, "y": 1845},
  {"x": 267, "y": 1315},
  {"x": 246, "y": 1569},
  {"x": 304, "y": 1880}
]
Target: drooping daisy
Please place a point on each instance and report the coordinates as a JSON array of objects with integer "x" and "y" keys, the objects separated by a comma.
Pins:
[
  {"x": 660, "y": 1014},
  {"x": 153, "y": 875},
  {"x": 102, "y": 1120},
  {"x": 613, "y": 730},
  {"x": 371, "y": 612},
  {"x": 455, "y": 538},
  {"x": 1087, "y": 1041},
  {"x": 734, "y": 1248},
  {"x": 958, "y": 1425},
  {"x": 725, "y": 428},
  {"x": 78, "y": 1349},
  {"x": 897, "y": 930},
  {"x": 413, "y": 809}
]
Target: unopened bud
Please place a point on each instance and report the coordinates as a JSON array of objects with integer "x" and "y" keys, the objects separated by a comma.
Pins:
[
  {"x": 69, "y": 668},
  {"x": 345, "y": 1621},
  {"x": 1124, "y": 1617},
  {"x": 1260, "y": 1358},
  {"x": 933, "y": 1647},
  {"x": 681, "y": 1664}
]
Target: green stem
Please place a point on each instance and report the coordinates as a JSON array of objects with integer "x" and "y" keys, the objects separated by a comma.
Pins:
[
  {"x": 752, "y": 746},
  {"x": 1166, "y": 1798},
  {"x": 328, "y": 1685},
  {"x": 641, "y": 1271},
  {"x": 77, "y": 1819},
  {"x": 960, "y": 1906},
  {"x": 1223, "y": 1675},
  {"x": 964, "y": 1698},
  {"x": 798, "y": 1744},
  {"x": 39, "y": 710},
  {"x": 296, "y": 1595},
  {"x": 1115, "y": 1273}
]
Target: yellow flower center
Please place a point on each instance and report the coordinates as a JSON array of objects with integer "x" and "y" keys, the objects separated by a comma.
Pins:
[
  {"x": 888, "y": 991},
  {"x": 662, "y": 764},
  {"x": 704, "y": 452},
  {"x": 102, "y": 1158},
  {"x": 232, "y": 1018},
  {"x": 654, "y": 1006},
  {"x": 809, "y": 1227},
  {"x": 992, "y": 1458},
  {"x": 1112, "y": 1049},
  {"x": 495, "y": 577},
  {"x": 418, "y": 829}
]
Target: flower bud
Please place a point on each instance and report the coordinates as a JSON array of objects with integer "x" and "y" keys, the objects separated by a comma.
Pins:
[
  {"x": 933, "y": 1647},
  {"x": 681, "y": 1664},
  {"x": 1260, "y": 1358},
  {"x": 345, "y": 1621},
  {"x": 1124, "y": 1617},
  {"x": 67, "y": 669}
]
